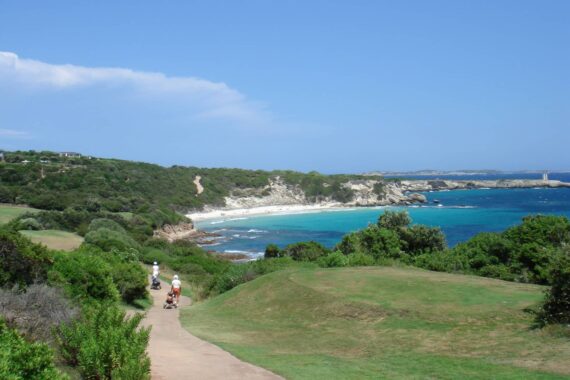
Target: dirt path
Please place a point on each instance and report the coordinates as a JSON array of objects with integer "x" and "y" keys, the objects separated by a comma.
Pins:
[{"x": 177, "y": 354}]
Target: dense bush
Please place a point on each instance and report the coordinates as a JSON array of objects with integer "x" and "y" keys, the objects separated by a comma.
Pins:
[
  {"x": 130, "y": 280},
  {"x": 359, "y": 259},
  {"x": 108, "y": 240},
  {"x": 418, "y": 239},
  {"x": 394, "y": 220},
  {"x": 524, "y": 253},
  {"x": 109, "y": 224},
  {"x": 556, "y": 307},
  {"x": 105, "y": 344},
  {"x": 272, "y": 251},
  {"x": 305, "y": 251},
  {"x": 21, "y": 261},
  {"x": 334, "y": 260},
  {"x": 84, "y": 276},
  {"x": 20, "y": 360}
]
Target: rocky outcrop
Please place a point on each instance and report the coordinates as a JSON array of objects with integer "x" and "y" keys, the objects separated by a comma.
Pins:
[{"x": 184, "y": 231}]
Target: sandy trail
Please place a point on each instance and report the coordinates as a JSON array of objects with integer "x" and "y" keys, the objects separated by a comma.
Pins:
[{"x": 177, "y": 354}]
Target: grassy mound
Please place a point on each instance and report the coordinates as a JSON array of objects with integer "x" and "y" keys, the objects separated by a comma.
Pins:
[
  {"x": 382, "y": 322},
  {"x": 55, "y": 239}
]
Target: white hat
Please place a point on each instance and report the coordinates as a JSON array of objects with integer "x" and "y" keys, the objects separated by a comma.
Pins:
[
  {"x": 176, "y": 277},
  {"x": 155, "y": 263}
]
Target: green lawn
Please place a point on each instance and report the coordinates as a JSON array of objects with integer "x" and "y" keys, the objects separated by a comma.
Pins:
[
  {"x": 9, "y": 212},
  {"x": 55, "y": 239},
  {"x": 383, "y": 322}
]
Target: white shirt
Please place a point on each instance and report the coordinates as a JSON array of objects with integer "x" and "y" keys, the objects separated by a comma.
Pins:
[
  {"x": 155, "y": 270},
  {"x": 176, "y": 284}
]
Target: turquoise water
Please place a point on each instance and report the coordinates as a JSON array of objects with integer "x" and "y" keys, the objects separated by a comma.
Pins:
[{"x": 462, "y": 214}]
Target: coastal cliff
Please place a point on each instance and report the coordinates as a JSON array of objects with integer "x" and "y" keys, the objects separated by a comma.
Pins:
[
  {"x": 280, "y": 196},
  {"x": 362, "y": 193}
]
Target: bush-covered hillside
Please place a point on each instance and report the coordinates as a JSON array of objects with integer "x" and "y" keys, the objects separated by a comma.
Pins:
[{"x": 48, "y": 181}]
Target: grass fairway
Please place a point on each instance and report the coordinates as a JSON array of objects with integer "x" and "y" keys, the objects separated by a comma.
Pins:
[
  {"x": 9, "y": 212},
  {"x": 55, "y": 239},
  {"x": 382, "y": 322}
]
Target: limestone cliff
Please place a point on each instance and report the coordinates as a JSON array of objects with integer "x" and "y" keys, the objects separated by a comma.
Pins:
[
  {"x": 364, "y": 192},
  {"x": 277, "y": 192}
]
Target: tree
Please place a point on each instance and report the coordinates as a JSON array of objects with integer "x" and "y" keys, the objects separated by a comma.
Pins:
[{"x": 394, "y": 220}]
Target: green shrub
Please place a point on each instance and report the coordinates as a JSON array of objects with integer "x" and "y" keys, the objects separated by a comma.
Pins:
[
  {"x": 418, "y": 239},
  {"x": 271, "y": 251},
  {"x": 20, "y": 360},
  {"x": 84, "y": 275},
  {"x": 556, "y": 307},
  {"x": 21, "y": 261},
  {"x": 130, "y": 280},
  {"x": 359, "y": 259},
  {"x": 105, "y": 223},
  {"x": 29, "y": 224},
  {"x": 305, "y": 251},
  {"x": 380, "y": 242},
  {"x": 350, "y": 243},
  {"x": 105, "y": 344},
  {"x": 394, "y": 220},
  {"x": 107, "y": 240},
  {"x": 334, "y": 259},
  {"x": 233, "y": 276}
]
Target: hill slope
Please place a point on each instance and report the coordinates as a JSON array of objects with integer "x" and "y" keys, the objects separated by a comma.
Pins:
[{"x": 382, "y": 323}]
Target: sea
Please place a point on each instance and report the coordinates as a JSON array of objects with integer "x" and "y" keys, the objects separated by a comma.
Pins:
[{"x": 461, "y": 214}]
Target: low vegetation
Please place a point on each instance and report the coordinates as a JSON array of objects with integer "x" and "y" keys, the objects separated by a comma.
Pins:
[{"x": 383, "y": 322}]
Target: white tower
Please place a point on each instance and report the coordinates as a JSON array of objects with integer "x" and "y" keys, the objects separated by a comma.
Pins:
[{"x": 545, "y": 176}]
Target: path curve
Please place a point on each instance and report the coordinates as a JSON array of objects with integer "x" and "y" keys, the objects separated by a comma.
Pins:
[{"x": 177, "y": 354}]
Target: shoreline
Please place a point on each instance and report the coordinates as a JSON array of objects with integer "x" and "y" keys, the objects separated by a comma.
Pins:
[
  {"x": 266, "y": 210},
  {"x": 412, "y": 186}
]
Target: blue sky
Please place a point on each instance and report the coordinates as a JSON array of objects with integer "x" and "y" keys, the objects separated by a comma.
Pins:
[{"x": 334, "y": 86}]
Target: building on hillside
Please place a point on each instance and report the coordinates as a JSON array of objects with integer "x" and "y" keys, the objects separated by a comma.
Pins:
[
  {"x": 69, "y": 154},
  {"x": 545, "y": 176},
  {"x": 1, "y": 156}
]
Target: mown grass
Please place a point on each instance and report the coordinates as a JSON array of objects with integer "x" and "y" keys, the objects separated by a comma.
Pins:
[
  {"x": 383, "y": 322},
  {"x": 55, "y": 239},
  {"x": 9, "y": 212}
]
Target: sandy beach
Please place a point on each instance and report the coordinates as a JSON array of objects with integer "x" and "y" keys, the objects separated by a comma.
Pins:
[{"x": 263, "y": 210}]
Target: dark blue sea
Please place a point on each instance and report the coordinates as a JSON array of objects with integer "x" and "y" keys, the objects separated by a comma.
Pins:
[{"x": 460, "y": 213}]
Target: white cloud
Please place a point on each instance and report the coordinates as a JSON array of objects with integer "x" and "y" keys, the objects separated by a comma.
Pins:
[
  {"x": 206, "y": 99},
  {"x": 11, "y": 133}
]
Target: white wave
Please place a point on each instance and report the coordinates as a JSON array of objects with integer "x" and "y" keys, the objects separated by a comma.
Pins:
[
  {"x": 253, "y": 230},
  {"x": 226, "y": 220},
  {"x": 209, "y": 245}
]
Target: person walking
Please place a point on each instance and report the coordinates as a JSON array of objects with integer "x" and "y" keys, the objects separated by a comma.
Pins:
[
  {"x": 155, "y": 270},
  {"x": 176, "y": 287}
]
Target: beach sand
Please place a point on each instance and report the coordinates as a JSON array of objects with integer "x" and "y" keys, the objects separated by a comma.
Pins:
[{"x": 264, "y": 210}]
